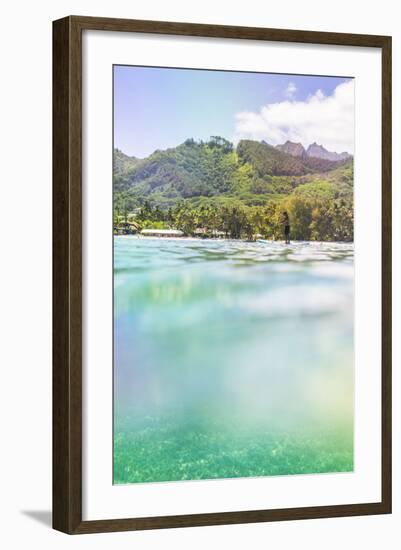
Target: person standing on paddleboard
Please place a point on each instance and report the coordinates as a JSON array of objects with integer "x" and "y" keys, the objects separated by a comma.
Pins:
[{"x": 286, "y": 225}]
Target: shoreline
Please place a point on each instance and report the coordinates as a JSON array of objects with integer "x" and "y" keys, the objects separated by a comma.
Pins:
[{"x": 223, "y": 239}]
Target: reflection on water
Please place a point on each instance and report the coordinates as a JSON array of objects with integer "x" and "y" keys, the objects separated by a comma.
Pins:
[{"x": 231, "y": 358}]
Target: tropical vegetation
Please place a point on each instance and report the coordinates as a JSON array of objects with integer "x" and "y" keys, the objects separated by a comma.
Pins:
[{"x": 214, "y": 189}]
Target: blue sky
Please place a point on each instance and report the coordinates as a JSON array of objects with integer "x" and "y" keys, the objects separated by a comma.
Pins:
[{"x": 157, "y": 108}]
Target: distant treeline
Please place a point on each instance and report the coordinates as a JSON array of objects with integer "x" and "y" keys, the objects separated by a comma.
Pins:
[
  {"x": 310, "y": 219},
  {"x": 215, "y": 188}
]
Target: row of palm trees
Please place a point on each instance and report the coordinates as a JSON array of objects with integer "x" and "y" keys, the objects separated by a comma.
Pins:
[{"x": 310, "y": 219}]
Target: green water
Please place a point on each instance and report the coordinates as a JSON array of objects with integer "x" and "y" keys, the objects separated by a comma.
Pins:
[{"x": 231, "y": 359}]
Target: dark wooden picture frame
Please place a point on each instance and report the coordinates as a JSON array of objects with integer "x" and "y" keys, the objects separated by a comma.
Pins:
[{"x": 67, "y": 274}]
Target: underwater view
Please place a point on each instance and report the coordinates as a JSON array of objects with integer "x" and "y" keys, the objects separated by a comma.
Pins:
[{"x": 231, "y": 358}]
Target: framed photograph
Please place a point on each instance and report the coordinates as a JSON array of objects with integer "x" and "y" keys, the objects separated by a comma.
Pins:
[{"x": 222, "y": 275}]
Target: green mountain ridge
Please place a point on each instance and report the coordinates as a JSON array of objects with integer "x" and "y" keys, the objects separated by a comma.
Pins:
[
  {"x": 239, "y": 192},
  {"x": 197, "y": 169}
]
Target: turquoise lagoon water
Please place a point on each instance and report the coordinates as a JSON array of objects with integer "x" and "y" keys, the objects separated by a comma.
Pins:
[{"x": 231, "y": 359}]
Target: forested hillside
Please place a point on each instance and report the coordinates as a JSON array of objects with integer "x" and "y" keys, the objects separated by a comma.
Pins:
[{"x": 199, "y": 185}]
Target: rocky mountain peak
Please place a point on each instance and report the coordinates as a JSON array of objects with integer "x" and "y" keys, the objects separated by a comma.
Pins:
[
  {"x": 291, "y": 148},
  {"x": 318, "y": 151},
  {"x": 314, "y": 150}
]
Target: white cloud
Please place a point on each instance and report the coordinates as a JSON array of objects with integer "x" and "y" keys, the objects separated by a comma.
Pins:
[
  {"x": 328, "y": 120},
  {"x": 290, "y": 90}
]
